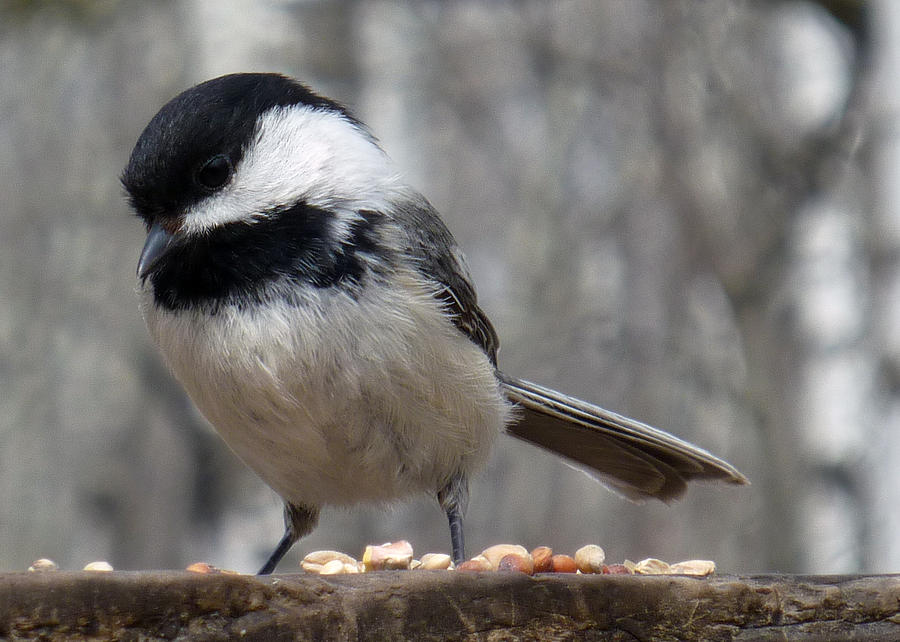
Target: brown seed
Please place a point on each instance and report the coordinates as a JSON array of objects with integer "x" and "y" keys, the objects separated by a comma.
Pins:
[
  {"x": 589, "y": 559},
  {"x": 477, "y": 563},
  {"x": 563, "y": 564},
  {"x": 616, "y": 569},
  {"x": 541, "y": 556},
  {"x": 518, "y": 563},
  {"x": 202, "y": 567},
  {"x": 494, "y": 554}
]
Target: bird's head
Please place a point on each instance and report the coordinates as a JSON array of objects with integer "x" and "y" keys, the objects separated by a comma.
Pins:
[{"x": 242, "y": 148}]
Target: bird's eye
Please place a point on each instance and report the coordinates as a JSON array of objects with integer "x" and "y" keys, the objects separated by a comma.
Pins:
[{"x": 215, "y": 172}]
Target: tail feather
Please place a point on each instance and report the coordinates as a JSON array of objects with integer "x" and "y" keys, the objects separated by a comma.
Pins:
[{"x": 630, "y": 457}]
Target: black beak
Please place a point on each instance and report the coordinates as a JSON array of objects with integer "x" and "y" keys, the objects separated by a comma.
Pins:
[{"x": 158, "y": 241}]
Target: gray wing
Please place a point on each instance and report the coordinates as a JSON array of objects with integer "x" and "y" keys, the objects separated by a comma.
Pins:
[
  {"x": 630, "y": 457},
  {"x": 439, "y": 259}
]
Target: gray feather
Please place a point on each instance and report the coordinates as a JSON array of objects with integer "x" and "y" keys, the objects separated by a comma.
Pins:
[{"x": 630, "y": 457}]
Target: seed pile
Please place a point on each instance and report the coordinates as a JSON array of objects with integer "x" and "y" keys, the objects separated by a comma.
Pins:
[{"x": 500, "y": 557}]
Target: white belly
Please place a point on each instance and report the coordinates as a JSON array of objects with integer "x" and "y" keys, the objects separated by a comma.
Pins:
[{"x": 359, "y": 401}]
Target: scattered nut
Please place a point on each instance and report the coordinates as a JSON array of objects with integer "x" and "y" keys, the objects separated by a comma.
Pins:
[
  {"x": 494, "y": 554},
  {"x": 517, "y": 563},
  {"x": 541, "y": 556},
  {"x": 43, "y": 564},
  {"x": 590, "y": 558},
  {"x": 563, "y": 564},
  {"x": 477, "y": 563},
  {"x": 202, "y": 567},
  {"x": 98, "y": 566},
  {"x": 434, "y": 562},
  {"x": 323, "y": 557},
  {"x": 500, "y": 557},
  {"x": 332, "y": 567},
  {"x": 700, "y": 568},
  {"x": 315, "y": 561},
  {"x": 652, "y": 566},
  {"x": 391, "y": 556}
]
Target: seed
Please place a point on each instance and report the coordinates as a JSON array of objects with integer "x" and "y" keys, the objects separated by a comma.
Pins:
[
  {"x": 541, "y": 556},
  {"x": 477, "y": 563},
  {"x": 391, "y": 556},
  {"x": 332, "y": 567},
  {"x": 563, "y": 564},
  {"x": 434, "y": 562},
  {"x": 315, "y": 561},
  {"x": 652, "y": 566},
  {"x": 43, "y": 564},
  {"x": 589, "y": 559},
  {"x": 517, "y": 563},
  {"x": 700, "y": 568},
  {"x": 494, "y": 554}
]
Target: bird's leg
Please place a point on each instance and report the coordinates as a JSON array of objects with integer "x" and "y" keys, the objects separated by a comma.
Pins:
[
  {"x": 298, "y": 521},
  {"x": 453, "y": 498}
]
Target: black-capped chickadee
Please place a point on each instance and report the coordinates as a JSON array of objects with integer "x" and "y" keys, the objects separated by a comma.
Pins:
[{"x": 320, "y": 315}]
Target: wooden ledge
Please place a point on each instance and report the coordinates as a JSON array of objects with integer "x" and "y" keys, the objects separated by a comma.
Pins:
[{"x": 443, "y": 605}]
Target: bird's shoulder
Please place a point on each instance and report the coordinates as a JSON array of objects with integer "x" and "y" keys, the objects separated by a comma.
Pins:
[{"x": 435, "y": 254}]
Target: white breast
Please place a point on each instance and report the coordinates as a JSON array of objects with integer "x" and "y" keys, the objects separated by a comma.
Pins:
[{"x": 339, "y": 401}]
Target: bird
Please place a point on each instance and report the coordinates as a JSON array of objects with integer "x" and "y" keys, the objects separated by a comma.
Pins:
[{"x": 320, "y": 315}]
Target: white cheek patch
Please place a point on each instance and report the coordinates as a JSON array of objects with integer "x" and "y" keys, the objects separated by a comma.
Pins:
[{"x": 301, "y": 154}]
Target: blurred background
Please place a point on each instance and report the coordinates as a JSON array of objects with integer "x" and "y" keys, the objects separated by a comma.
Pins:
[{"x": 688, "y": 212}]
